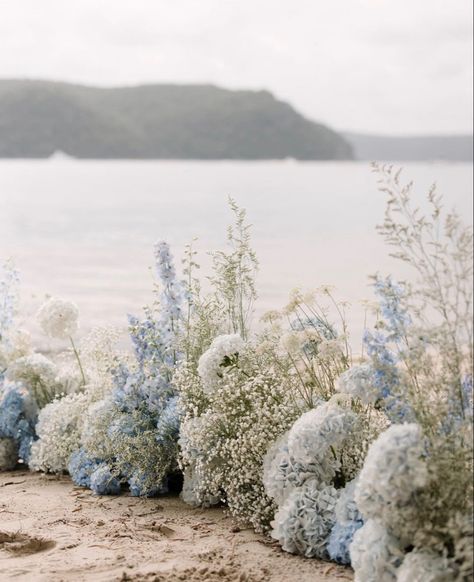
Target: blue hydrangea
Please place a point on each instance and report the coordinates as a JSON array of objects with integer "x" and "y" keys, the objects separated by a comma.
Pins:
[
  {"x": 340, "y": 540},
  {"x": 18, "y": 415},
  {"x": 81, "y": 467},
  {"x": 139, "y": 488},
  {"x": 348, "y": 521},
  {"x": 102, "y": 482}
]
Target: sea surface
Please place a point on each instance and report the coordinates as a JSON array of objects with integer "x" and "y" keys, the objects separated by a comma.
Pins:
[{"x": 84, "y": 230}]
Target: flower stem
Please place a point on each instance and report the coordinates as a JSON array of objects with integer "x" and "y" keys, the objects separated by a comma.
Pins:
[{"x": 76, "y": 353}]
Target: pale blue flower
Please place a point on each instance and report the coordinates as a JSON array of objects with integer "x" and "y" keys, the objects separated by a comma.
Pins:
[{"x": 102, "y": 482}]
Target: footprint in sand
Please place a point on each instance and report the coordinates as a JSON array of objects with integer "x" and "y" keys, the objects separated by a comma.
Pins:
[{"x": 20, "y": 544}]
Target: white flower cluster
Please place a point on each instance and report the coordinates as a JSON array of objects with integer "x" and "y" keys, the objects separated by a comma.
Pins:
[
  {"x": 300, "y": 472},
  {"x": 8, "y": 454},
  {"x": 224, "y": 438},
  {"x": 375, "y": 553},
  {"x": 425, "y": 566},
  {"x": 223, "y": 352},
  {"x": 389, "y": 493},
  {"x": 358, "y": 381},
  {"x": 304, "y": 522},
  {"x": 59, "y": 430},
  {"x": 394, "y": 470},
  {"x": 38, "y": 374},
  {"x": 318, "y": 431},
  {"x": 58, "y": 318}
]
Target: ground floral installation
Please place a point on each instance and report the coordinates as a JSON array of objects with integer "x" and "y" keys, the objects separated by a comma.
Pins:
[{"x": 361, "y": 460}]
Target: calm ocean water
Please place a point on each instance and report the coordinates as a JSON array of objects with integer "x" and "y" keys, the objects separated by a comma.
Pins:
[{"x": 84, "y": 230}]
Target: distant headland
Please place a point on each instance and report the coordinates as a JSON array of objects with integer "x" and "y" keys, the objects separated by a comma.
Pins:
[{"x": 39, "y": 118}]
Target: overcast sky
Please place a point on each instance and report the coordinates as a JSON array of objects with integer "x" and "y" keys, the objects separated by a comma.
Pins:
[{"x": 385, "y": 66}]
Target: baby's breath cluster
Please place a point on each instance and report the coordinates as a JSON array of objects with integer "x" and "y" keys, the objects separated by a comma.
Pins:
[{"x": 225, "y": 432}]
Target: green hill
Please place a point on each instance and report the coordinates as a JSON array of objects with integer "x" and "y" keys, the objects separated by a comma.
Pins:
[{"x": 38, "y": 118}]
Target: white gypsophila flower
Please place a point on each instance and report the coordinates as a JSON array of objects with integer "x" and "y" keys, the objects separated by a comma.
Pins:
[
  {"x": 394, "y": 469},
  {"x": 58, "y": 318},
  {"x": 97, "y": 421},
  {"x": 225, "y": 446},
  {"x": 8, "y": 454},
  {"x": 375, "y": 554},
  {"x": 38, "y": 374},
  {"x": 222, "y": 352},
  {"x": 59, "y": 431},
  {"x": 358, "y": 382},
  {"x": 304, "y": 522},
  {"x": 425, "y": 566},
  {"x": 317, "y": 430},
  {"x": 190, "y": 491}
]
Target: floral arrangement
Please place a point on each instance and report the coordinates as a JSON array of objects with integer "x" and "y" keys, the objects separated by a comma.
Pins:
[{"x": 363, "y": 460}]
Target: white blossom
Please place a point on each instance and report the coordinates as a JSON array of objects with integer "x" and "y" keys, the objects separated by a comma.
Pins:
[
  {"x": 222, "y": 352},
  {"x": 58, "y": 318},
  {"x": 394, "y": 469},
  {"x": 425, "y": 566},
  {"x": 59, "y": 431},
  {"x": 317, "y": 430},
  {"x": 38, "y": 374},
  {"x": 304, "y": 522},
  {"x": 358, "y": 382},
  {"x": 375, "y": 553}
]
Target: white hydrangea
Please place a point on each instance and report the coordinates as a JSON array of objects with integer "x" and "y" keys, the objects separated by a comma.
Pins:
[
  {"x": 425, "y": 566},
  {"x": 223, "y": 347},
  {"x": 59, "y": 431},
  {"x": 375, "y": 554},
  {"x": 358, "y": 382},
  {"x": 8, "y": 454},
  {"x": 58, "y": 318},
  {"x": 38, "y": 374},
  {"x": 318, "y": 430},
  {"x": 394, "y": 469},
  {"x": 282, "y": 474},
  {"x": 303, "y": 524}
]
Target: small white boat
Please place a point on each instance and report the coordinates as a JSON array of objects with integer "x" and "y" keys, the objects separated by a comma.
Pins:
[{"x": 60, "y": 155}]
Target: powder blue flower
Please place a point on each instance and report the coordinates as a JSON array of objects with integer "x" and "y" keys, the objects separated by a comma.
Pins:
[
  {"x": 18, "y": 416},
  {"x": 81, "y": 466},
  {"x": 340, "y": 540},
  {"x": 102, "y": 482}
]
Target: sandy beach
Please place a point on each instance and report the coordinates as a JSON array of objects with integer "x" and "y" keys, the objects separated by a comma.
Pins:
[{"x": 51, "y": 530}]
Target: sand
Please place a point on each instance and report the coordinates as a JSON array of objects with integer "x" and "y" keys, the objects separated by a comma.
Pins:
[{"x": 51, "y": 530}]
